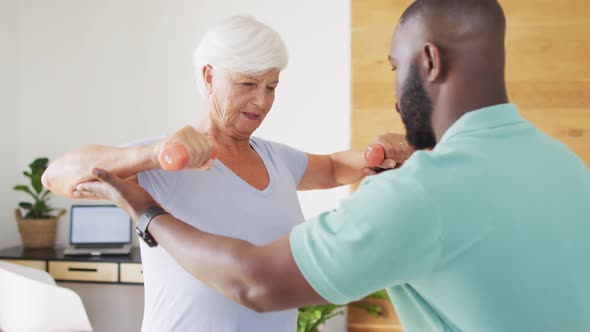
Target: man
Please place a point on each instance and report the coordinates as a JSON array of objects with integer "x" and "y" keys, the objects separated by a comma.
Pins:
[{"x": 486, "y": 232}]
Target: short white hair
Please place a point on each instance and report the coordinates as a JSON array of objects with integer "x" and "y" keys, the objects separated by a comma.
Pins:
[{"x": 239, "y": 44}]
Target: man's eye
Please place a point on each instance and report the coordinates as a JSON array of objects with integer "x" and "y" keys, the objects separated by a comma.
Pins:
[
  {"x": 393, "y": 68},
  {"x": 271, "y": 88},
  {"x": 248, "y": 84}
]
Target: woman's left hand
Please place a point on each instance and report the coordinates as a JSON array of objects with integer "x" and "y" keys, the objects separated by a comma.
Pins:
[
  {"x": 396, "y": 150},
  {"x": 125, "y": 194}
]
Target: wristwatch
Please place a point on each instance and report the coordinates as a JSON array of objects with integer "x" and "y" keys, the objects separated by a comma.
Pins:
[{"x": 144, "y": 222}]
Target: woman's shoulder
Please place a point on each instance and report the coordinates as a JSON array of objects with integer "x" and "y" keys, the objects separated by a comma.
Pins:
[
  {"x": 262, "y": 144},
  {"x": 269, "y": 147}
]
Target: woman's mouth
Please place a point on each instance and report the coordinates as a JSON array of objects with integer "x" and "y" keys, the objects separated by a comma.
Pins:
[{"x": 251, "y": 116}]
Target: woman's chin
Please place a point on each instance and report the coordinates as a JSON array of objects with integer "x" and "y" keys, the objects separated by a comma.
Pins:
[
  {"x": 247, "y": 128},
  {"x": 243, "y": 132}
]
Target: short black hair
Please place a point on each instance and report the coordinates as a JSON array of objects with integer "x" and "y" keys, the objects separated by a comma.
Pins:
[{"x": 477, "y": 9}]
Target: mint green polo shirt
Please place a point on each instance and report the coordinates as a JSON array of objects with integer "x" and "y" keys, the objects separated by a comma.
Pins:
[{"x": 490, "y": 231}]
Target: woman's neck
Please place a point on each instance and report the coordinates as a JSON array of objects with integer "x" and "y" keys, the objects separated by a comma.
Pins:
[
  {"x": 229, "y": 144},
  {"x": 226, "y": 144}
]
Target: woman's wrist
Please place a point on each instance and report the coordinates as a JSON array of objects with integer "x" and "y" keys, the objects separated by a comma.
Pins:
[{"x": 149, "y": 155}]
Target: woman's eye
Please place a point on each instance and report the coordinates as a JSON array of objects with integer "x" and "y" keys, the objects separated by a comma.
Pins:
[
  {"x": 248, "y": 84},
  {"x": 393, "y": 68},
  {"x": 271, "y": 88}
]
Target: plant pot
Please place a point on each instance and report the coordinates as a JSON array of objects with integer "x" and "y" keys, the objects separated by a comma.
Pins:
[{"x": 37, "y": 233}]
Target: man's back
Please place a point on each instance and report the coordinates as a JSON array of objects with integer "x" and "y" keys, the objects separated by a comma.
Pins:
[
  {"x": 514, "y": 208},
  {"x": 487, "y": 232}
]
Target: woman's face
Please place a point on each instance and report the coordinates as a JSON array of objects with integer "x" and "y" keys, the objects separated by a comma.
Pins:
[{"x": 239, "y": 102}]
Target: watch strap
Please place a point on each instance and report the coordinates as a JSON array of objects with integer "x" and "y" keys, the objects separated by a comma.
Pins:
[{"x": 144, "y": 222}]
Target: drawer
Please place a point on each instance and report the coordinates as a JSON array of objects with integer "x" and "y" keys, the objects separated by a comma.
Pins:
[
  {"x": 40, "y": 265},
  {"x": 84, "y": 271},
  {"x": 131, "y": 272}
]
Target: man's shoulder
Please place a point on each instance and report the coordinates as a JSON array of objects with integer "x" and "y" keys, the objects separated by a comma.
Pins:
[
  {"x": 427, "y": 172},
  {"x": 409, "y": 183}
]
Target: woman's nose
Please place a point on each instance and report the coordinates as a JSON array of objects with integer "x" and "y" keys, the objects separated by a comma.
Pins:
[{"x": 261, "y": 97}]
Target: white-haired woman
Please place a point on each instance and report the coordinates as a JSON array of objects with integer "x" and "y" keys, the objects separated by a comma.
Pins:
[{"x": 248, "y": 193}]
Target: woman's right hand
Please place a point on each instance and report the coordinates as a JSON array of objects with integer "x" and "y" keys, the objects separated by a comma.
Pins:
[{"x": 200, "y": 149}]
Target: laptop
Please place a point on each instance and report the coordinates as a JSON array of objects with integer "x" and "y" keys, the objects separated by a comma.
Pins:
[{"x": 97, "y": 230}]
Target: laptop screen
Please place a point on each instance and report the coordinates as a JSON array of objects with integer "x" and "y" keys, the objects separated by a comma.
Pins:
[{"x": 99, "y": 224}]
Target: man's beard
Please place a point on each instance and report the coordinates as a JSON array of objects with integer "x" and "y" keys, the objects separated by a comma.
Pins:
[{"x": 415, "y": 109}]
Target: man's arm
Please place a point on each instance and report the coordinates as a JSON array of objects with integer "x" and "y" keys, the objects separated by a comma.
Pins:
[
  {"x": 262, "y": 278},
  {"x": 387, "y": 233}
]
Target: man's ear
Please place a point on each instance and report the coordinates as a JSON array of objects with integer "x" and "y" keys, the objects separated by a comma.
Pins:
[
  {"x": 432, "y": 62},
  {"x": 208, "y": 78}
]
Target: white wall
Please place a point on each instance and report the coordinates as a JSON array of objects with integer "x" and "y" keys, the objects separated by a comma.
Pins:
[
  {"x": 114, "y": 71},
  {"x": 9, "y": 123}
]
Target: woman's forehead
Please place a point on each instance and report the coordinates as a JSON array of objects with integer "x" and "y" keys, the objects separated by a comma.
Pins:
[{"x": 271, "y": 74}]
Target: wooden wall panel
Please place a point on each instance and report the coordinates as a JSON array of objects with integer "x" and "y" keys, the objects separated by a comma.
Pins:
[
  {"x": 373, "y": 110},
  {"x": 547, "y": 73},
  {"x": 548, "y": 68}
]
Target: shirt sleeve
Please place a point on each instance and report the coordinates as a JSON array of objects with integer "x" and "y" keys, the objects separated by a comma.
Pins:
[
  {"x": 160, "y": 184},
  {"x": 385, "y": 234}
]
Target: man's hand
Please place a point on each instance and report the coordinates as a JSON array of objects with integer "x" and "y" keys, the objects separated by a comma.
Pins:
[
  {"x": 200, "y": 148},
  {"x": 397, "y": 151},
  {"x": 125, "y": 194}
]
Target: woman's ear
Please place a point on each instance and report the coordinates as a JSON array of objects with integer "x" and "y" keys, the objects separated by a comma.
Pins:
[
  {"x": 208, "y": 78},
  {"x": 432, "y": 62}
]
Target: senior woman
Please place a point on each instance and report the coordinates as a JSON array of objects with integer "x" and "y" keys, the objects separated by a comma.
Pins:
[{"x": 248, "y": 192}]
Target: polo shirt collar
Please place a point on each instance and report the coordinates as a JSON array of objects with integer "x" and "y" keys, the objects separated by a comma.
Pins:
[{"x": 484, "y": 118}]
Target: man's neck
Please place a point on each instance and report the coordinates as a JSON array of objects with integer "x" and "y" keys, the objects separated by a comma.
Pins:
[{"x": 455, "y": 105}]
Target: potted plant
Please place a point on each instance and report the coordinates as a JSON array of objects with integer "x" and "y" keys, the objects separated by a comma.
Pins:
[
  {"x": 313, "y": 318},
  {"x": 39, "y": 225}
]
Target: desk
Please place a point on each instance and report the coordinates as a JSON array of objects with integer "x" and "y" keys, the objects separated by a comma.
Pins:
[{"x": 93, "y": 269}]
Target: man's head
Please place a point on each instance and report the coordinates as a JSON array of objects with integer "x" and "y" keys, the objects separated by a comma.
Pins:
[{"x": 449, "y": 59}]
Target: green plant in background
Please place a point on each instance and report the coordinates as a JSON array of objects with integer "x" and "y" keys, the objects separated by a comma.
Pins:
[
  {"x": 38, "y": 209},
  {"x": 312, "y": 317}
]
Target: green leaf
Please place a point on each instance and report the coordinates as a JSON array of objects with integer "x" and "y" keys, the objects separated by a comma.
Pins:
[
  {"x": 311, "y": 317},
  {"x": 39, "y": 208},
  {"x": 25, "y": 189},
  {"x": 25, "y": 205},
  {"x": 372, "y": 309},
  {"x": 39, "y": 165},
  {"x": 36, "y": 183},
  {"x": 33, "y": 215},
  {"x": 44, "y": 196},
  {"x": 382, "y": 294}
]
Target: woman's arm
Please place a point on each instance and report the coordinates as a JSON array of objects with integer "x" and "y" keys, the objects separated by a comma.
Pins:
[
  {"x": 66, "y": 172},
  {"x": 346, "y": 167}
]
